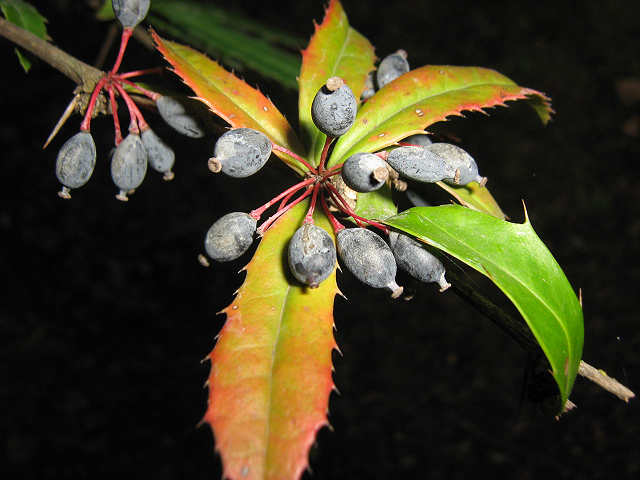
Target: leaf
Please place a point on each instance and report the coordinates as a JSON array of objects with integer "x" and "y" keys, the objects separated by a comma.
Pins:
[
  {"x": 335, "y": 49},
  {"x": 476, "y": 197},
  {"x": 25, "y": 16},
  {"x": 376, "y": 205},
  {"x": 515, "y": 259},
  {"x": 425, "y": 96},
  {"x": 231, "y": 98},
  {"x": 271, "y": 367},
  {"x": 235, "y": 40}
]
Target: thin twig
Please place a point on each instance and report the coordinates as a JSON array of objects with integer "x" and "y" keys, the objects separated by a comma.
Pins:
[{"x": 78, "y": 71}]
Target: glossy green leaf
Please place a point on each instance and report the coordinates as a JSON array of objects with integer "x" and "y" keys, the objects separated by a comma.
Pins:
[
  {"x": 474, "y": 196},
  {"x": 427, "y": 95},
  {"x": 517, "y": 261},
  {"x": 235, "y": 40},
  {"x": 27, "y": 17},
  {"x": 271, "y": 372},
  {"x": 335, "y": 49},
  {"x": 230, "y": 97}
]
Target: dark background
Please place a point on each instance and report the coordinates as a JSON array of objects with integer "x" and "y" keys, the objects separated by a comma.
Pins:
[{"x": 105, "y": 312}]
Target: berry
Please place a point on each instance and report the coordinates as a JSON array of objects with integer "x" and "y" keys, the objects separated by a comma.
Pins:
[
  {"x": 159, "y": 154},
  {"x": 368, "y": 258},
  {"x": 461, "y": 168},
  {"x": 75, "y": 162},
  {"x": 312, "y": 254},
  {"x": 128, "y": 165},
  {"x": 419, "y": 139},
  {"x": 230, "y": 236},
  {"x": 130, "y": 12},
  {"x": 240, "y": 152},
  {"x": 417, "y": 164},
  {"x": 334, "y": 108},
  {"x": 414, "y": 258},
  {"x": 364, "y": 172},
  {"x": 369, "y": 88},
  {"x": 391, "y": 67},
  {"x": 187, "y": 116}
]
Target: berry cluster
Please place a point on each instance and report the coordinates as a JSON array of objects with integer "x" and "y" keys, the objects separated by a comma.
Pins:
[
  {"x": 141, "y": 146},
  {"x": 312, "y": 254}
]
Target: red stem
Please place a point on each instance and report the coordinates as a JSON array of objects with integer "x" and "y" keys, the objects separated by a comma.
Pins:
[
  {"x": 278, "y": 148},
  {"x": 114, "y": 112},
  {"x": 309, "y": 216},
  {"x": 347, "y": 209},
  {"x": 86, "y": 123},
  {"x": 257, "y": 213},
  {"x": 323, "y": 157},
  {"x": 267, "y": 223},
  {"x": 137, "y": 73},
  {"x": 126, "y": 35},
  {"x": 338, "y": 199},
  {"x": 152, "y": 95},
  {"x": 137, "y": 120},
  {"x": 337, "y": 226}
]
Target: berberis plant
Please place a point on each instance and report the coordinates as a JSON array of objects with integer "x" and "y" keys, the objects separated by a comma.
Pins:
[{"x": 362, "y": 134}]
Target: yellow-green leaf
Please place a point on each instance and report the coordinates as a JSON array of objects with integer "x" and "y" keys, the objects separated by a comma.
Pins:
[
  {"x": 271, "y": 367},
  {"x": 427, "y": 95},
  {"x": 335, "y": 49}
]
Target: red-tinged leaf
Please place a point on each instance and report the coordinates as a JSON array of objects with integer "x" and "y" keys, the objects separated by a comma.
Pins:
[
  {"x": 335, "y": 49},
  {"x": 427, "y": 95},
  {"x": 231, "y": 98},
  {"x": 271, "y": 368},
  {"x": 476, "y": 197}
]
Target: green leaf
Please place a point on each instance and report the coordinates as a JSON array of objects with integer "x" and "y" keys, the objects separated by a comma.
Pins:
[
  {"x": 231, "y": 98},
  {"x": 427, "y": 95},
  {"x": 271, "y": 367},
  {"x": 25, "y": 16},
  {"x": 515, "y": 259},
  {"x": 335, "y": 49},
  {"x": 476, "y": 197},
  {"x": 376, "y": 205},
  {"x": 235, "y": 40}
]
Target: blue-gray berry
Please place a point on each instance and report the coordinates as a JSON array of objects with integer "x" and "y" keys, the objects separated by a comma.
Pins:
[
  {"x": 368, "y": 257},
  {"x": 185, "y": 115},
  {"x": 419, "y": 139},
  {"x": 75, "y": 163},
  {"x": 417, "y": 164},
  {"x": 364, "y": 172},
  {"x": 391, "y": 67},
  {"x": 159, "y": 154},
  {"x": 128, "y": 165},
  {"x": 334, "y": 108},
  {"x": 130, "y": 12},
  {"x": 414, "y": 258},
  {"x": 461, "y": 168},
  {"x": 240, "y": 152},
  {"x": 230, "y": 236},
  {"x": 312, "y": 254}
]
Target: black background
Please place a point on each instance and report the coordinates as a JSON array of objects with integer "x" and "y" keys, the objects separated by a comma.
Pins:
[{"x": 105, "y": 312}]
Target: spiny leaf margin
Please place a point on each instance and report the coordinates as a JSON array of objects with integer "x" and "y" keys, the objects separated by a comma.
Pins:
[
  {"x": 229, "y": 97},
  {"x": 271, "y": 372},
  {"x": 424, "y": 96}
]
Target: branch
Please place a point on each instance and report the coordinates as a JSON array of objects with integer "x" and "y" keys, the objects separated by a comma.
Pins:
[
  {"x": 76, "y": 70},
  {"x": 521, "y": 334}
]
